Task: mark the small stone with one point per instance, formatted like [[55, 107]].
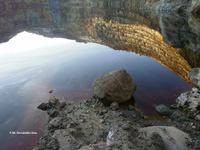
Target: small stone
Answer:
[[182, 100], [62, 105], [194, 76], [126, 127], [163, 110], [197, 117], [101, 120], [193, 127], [114, 106], [190, 115], [195, 90], [130, 107], [193, 105], [197, 144], [109, 148], [53, 113], [173, 106], [42, 106], [55, 122], [104, 111], [53, 100]]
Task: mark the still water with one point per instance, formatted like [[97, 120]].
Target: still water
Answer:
[[31, 65], [66, 44]]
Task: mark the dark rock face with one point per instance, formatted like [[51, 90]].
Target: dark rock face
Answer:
[[179, 22], [194, 76], [163, 110], [115, 86], [42, 106]]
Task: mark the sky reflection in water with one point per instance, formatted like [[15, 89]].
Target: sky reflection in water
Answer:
[[31, 65]]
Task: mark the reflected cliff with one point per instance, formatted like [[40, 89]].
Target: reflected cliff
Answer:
[[119, 24]]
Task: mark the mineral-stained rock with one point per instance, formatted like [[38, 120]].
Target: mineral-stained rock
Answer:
[[194, 76], [163, 110], [115, 86], [173, 138]]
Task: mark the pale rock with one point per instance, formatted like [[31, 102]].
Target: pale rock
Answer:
[[173, 138]]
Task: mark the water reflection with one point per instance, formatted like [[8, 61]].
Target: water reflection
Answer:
[[31, 65], [70, 68]]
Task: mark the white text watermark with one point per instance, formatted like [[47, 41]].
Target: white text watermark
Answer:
[[22, 132]]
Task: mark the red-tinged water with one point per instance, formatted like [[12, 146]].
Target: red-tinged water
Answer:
[[70, 68]]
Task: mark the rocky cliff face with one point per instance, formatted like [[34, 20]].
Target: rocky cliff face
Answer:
[[120, 24], [180, 22]]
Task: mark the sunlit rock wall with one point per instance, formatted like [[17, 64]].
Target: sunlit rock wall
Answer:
[[139, 39], [120, 24]]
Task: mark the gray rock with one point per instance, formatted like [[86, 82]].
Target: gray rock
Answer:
[[197, 144], [163, 110], [197, 117], [126, 126], [190, 100], [55, 122], [182, 12], [64, 139], [99, 146], [115, 86], [114, 106], [42, 106], [182, 100], [110, 137], [193, 104], [173, 138], [194, 76], [130, 107]]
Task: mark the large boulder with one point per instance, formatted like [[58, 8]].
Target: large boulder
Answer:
[[194, 76], [115, 86]]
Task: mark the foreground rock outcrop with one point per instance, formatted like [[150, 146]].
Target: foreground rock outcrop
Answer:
[[92, 125], [120, 126], [115, 86]]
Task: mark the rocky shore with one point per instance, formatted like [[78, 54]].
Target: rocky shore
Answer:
[[94, 125]]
